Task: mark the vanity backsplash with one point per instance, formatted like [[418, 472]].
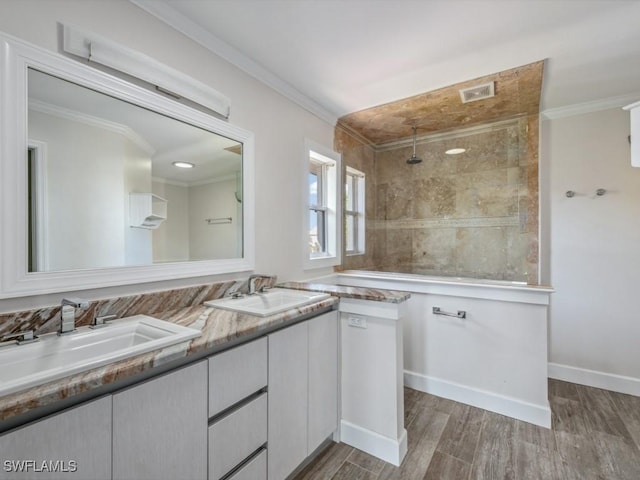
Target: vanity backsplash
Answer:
[[47, 319]]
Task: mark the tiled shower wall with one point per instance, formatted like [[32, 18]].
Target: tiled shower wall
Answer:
[[468, 215]]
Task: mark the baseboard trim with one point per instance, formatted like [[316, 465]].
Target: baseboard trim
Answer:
[[511, 407], [384, 448], [594, 378]]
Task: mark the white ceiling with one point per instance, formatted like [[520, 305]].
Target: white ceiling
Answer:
[[341, 56]]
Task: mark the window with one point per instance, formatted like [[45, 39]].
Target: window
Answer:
[[322, 228], [354, 232]]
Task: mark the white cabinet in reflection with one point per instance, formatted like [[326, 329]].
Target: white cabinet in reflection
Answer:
[[146, 210]]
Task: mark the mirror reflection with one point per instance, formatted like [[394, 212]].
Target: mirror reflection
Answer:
[[112, 184]]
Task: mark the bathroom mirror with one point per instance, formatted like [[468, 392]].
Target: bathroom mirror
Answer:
[[95, 189], [96, 163]]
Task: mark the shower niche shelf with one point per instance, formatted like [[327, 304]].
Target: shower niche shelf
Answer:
[[146, 210]]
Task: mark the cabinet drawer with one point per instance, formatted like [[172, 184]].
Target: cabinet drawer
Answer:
[[236, 436], [236, 374], [256, 469]]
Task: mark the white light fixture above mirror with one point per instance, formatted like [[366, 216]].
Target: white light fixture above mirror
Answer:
[[167, 80]]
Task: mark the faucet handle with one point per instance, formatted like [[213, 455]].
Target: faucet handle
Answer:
[[21, 337], [102, 320]]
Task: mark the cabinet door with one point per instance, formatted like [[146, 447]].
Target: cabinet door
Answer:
[[287, 446], [160, 427], [73, 444], [323, 378]]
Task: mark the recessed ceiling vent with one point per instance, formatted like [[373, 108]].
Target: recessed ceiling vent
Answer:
[[479, 92]]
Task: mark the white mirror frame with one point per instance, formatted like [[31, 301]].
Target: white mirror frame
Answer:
[[16, 56]]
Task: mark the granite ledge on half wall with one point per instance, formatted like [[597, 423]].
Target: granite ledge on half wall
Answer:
[[345, 291]]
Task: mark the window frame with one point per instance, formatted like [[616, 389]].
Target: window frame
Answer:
[[358, 214], [327, 164]]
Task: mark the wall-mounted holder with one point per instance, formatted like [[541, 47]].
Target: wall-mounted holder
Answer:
[[218, 221], [146, 210], [599, 192]]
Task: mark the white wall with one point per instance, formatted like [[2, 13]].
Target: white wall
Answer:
[[171, 238], [137, 179], [595, 251], [279, 125], [72, 161], [213, 200]]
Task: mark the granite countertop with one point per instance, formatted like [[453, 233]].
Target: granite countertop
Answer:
[[345, 291], [218, 327]]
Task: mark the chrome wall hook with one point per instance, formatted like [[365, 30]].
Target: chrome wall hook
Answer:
[[600, 192], [570, 194]]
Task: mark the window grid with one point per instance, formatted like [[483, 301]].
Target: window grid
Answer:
[[354, 212]]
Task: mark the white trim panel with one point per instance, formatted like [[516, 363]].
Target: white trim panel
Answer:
[[384, 448], [386, 310], [509, 406], [486, 290], [594, 378]]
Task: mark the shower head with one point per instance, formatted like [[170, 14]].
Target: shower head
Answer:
[[414, 159]]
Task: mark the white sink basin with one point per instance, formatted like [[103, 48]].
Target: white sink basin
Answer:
[[54, 357], [270, 302]]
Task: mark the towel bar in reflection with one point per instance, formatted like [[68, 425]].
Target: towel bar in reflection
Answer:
[[218, 221], [459, 314]]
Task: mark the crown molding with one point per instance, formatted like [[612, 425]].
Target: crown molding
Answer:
[[589, 107], [90, 120], [167, 14]]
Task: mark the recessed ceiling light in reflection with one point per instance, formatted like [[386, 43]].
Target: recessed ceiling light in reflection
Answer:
[[183, 164], [455, 151]]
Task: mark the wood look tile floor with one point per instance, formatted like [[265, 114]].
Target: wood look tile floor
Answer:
[[595, 436]]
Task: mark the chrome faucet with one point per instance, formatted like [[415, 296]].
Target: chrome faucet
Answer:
[[68, 313], [252, 282]]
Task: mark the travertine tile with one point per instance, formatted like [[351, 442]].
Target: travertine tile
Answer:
[[481, 252], [517, 92], [433, 197], [434, 249]]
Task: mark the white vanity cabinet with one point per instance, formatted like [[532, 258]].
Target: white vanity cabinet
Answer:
[[160, 427], [73, 444], [323, 379], [303, 391], [238, 412]]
